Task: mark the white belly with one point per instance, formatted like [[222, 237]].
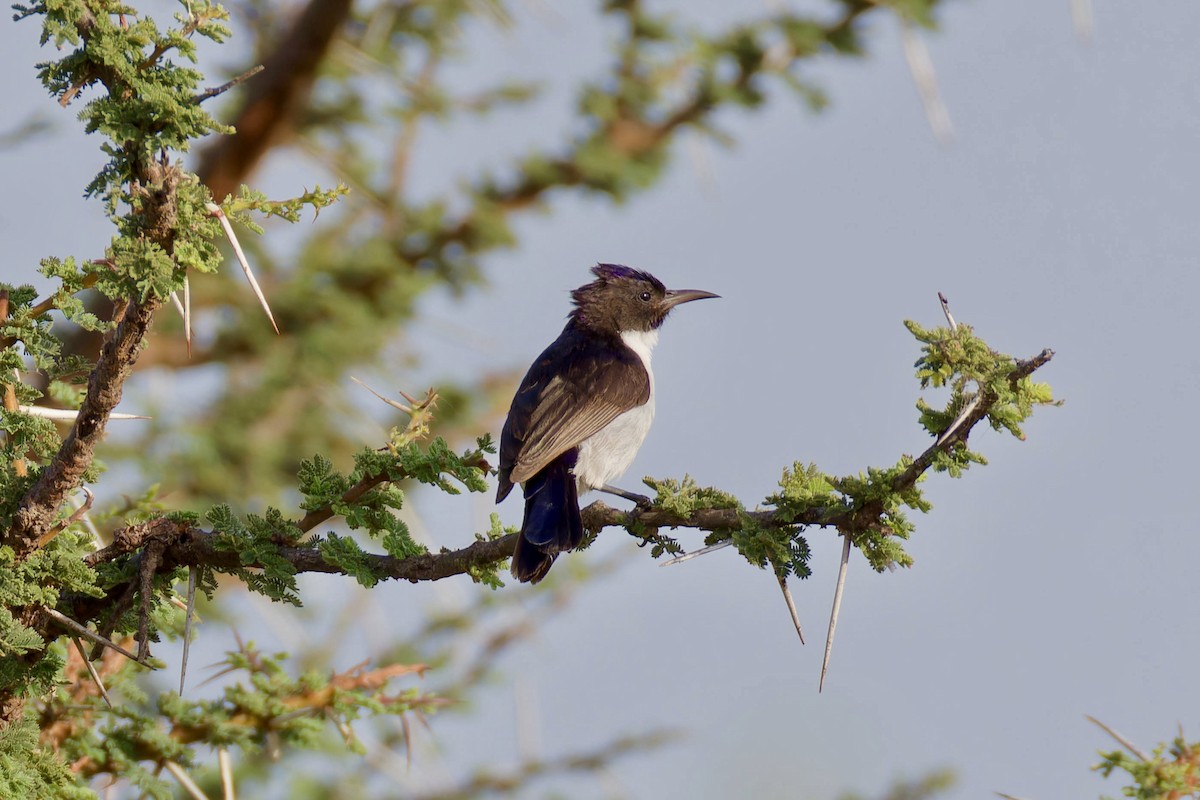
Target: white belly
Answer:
[[606, 455]]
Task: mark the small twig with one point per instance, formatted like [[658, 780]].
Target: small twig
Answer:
[[837, 605], [791, 604], [151, 557], [77, 515], [343, 727], [185, 780], [297, 714], [226, 767], [114, 613], [91, 669], [946, 310], [406, 730], [393, 403], [921, 67], [216, 211], [1007, 796], [187, 624], [208, 94], [97, 542], [1128, 745], [696, 553], [87, 633], [70, 93], [51, 302]]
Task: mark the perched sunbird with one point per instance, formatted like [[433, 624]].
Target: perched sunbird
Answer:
[[583, 409]]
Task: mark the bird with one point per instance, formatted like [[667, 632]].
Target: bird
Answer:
[[583, 409]]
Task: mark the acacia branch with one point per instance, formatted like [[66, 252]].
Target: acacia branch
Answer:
[[1022, 370], [39, 507], [183, 544]]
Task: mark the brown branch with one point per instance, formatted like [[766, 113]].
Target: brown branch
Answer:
[[39, 507], [630, 134], [315, 517], [10, 392], [488, 782], [183, 544], [187, 545], [1022, 370], [208, 94], [78, 514], [151, 557], [154, 184]]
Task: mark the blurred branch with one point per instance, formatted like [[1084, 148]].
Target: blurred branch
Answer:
[[273, 98], [495, 782]]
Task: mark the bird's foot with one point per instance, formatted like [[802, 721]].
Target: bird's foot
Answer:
[[642, 502]]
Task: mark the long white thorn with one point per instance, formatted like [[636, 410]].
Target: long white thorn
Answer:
[[226, 765], [91, 670], [697, 553], [1128, 745], [946, 310], [187, 313], [393, 403], [67, 414], [216, 211], [962, 415], [187, 625], [1085, 23], [185, 780], [921, 67], [837, 606], [791, 604], [87, 633]]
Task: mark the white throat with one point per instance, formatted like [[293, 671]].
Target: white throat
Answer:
[[642, 343]]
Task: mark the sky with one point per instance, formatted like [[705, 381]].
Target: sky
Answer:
[[1049, 585]]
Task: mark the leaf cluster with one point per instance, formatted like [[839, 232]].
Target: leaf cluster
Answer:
[[27, 585], [267, 708], [1170, 772], [871, 506]]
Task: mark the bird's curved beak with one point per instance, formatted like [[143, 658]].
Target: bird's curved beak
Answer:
[[677, 296]]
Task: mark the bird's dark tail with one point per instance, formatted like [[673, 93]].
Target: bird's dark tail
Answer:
[[552, 524]]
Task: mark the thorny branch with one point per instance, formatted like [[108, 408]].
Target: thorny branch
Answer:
[[180, 543], [38, 510]]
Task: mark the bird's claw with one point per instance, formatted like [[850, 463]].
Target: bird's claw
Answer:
[[641, 502]]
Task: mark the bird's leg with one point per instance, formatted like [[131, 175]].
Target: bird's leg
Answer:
[[640, 500]]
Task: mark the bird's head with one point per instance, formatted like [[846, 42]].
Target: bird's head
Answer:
[[624, 299]]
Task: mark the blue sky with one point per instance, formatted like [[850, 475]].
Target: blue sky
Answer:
[[1051, 584]]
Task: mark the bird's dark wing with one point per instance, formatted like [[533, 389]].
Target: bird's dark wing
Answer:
[[575, 388]]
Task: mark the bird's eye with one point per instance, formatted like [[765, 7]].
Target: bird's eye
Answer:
[[645, 297]]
